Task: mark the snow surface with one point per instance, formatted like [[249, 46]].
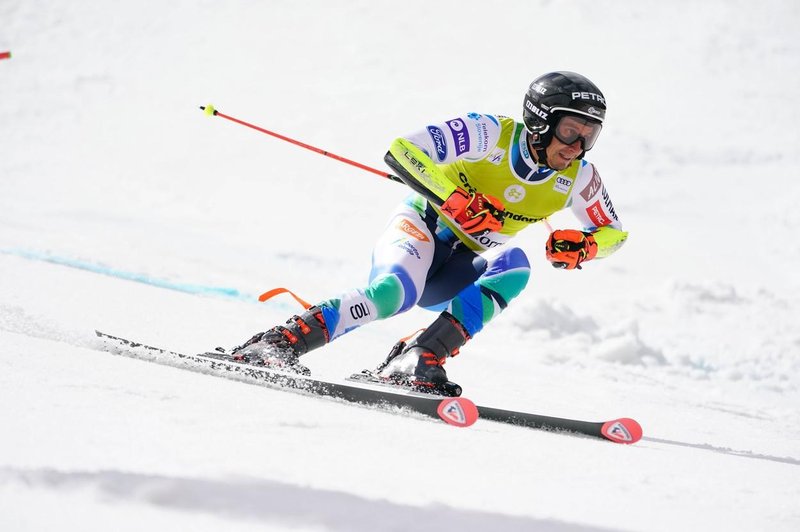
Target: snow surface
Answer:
[[107, 164]]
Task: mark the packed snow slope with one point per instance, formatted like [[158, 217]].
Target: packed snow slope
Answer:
[[123, 208]]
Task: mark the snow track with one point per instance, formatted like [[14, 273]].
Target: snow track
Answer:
[[108, 166]]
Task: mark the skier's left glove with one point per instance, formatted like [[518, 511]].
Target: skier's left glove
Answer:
[[476, 213], [568, 248]]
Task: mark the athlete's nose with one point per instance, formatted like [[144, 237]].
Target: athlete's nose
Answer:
[[575, 146]]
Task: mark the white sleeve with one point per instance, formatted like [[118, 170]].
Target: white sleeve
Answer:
[[471, 137], [591, 203]]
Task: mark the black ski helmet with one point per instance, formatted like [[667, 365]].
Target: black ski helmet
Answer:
[[553, 95]]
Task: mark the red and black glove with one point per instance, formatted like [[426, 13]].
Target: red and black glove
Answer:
[[568, 248], [476, 213]]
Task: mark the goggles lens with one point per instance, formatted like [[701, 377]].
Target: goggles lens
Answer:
[[571, 128]]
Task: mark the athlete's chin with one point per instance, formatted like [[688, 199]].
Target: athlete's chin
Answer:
[[561, 164]]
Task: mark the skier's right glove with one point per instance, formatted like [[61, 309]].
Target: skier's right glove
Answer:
[[476, 213]]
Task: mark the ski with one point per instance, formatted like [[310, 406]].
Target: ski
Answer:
[[457, 411], [371, 391], [621, 430]]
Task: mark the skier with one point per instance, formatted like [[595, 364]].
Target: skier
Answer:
[[477, 180]]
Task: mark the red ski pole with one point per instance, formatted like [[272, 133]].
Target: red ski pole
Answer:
[[210, 111]]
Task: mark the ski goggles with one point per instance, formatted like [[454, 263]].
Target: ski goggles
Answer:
[[571, 128]]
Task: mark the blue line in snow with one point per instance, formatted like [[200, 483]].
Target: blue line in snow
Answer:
[[189, 288]]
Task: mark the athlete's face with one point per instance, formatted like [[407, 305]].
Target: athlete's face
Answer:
[[572, 135], [560, 155]]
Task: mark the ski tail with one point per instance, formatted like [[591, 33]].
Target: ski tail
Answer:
[[458, 411], [622, 430]]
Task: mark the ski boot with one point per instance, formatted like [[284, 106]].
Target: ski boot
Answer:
[[282, 346], [418, 364]]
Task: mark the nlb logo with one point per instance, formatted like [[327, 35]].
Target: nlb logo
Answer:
[[460, 136], [412, 230]]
